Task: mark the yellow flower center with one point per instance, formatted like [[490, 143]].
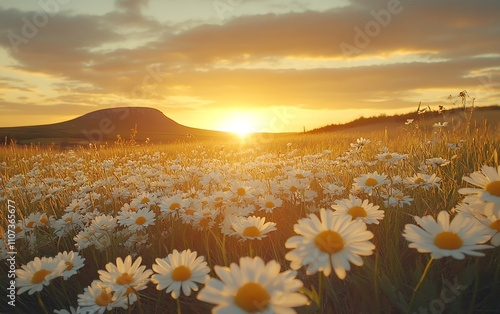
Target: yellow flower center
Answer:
[[175, 206], [69, 265], [371, 182], [18, 229], [39, 276], [145, 200], [30, 224], [448, 240], [419, 180], [357, 211], [299, 176], [329, 242], [44, 220], [69, 219], [495, 225], [251, 231], [190, 211], [103, 299], [181, 273], [493, 188], [241, 191], [293, 189], [269, 204], [124, 279], [388, 156], [140, 220], [252, 297]]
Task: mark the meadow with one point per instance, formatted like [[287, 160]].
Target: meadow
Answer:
[[338, 222]]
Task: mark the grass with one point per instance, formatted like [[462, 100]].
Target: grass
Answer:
[[43, 180]]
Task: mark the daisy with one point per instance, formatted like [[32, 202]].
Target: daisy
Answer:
[[171, 205], [488, 181], [38, 273], [367, 183], [137, 220], [359, 210], [99, 297], [253, 287], [250, 228], [424, 181], [73, 263], [180, 271], [442, 238], [396, 198], [390, 158], [269, 203], [126, 276], [329, 242]]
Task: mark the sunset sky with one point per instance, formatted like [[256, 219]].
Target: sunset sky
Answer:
[[274, 66]]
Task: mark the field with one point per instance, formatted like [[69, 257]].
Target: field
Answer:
[[146, 201]]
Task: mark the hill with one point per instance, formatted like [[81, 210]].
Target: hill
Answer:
[[455, 118], [105, 126]]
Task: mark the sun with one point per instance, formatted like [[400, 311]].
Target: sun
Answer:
[[240, 123]]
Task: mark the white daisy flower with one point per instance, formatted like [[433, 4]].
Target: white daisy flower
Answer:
[[424, 181], [488, 179], [332, 242], [253, 227], [38, 273], [180, 271], [100, 297], [359, 209], [137, 220], [369, 182], [442, 238], [253, 287], [73, 263], [125, 276]]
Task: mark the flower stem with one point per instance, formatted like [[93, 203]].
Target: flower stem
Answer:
[[426, 270], [178, 306], [41, 302]]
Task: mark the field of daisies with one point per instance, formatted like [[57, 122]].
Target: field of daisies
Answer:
[[404, 222]]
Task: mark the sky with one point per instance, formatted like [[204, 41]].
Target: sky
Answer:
[[245, 65]]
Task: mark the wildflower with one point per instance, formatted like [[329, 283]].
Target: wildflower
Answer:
[[409, 121], [488, 181], [329, 242], [390, 158], [253, 287], [268, 203], [250, 228], [100, 297], [439, 125], [180, 271], [73, 263], [359, 209], [437, 162], [137, 220], [125, 276], [38, 273], [424, 181], [396, 198], [367, 183], [442, 238], [360, 143]]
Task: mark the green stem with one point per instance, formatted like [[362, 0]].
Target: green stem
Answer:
[[476, 286], [419, 283], [320, 290], [178, 306], [41, 302]]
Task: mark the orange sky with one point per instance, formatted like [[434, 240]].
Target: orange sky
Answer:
[[274, 66]]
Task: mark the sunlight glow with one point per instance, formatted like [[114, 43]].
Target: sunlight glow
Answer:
[[240, 123]]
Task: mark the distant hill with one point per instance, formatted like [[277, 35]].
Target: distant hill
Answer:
[[455, 117], [101, 126]]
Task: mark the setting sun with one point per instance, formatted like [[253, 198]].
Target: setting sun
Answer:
[[240, 123]]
